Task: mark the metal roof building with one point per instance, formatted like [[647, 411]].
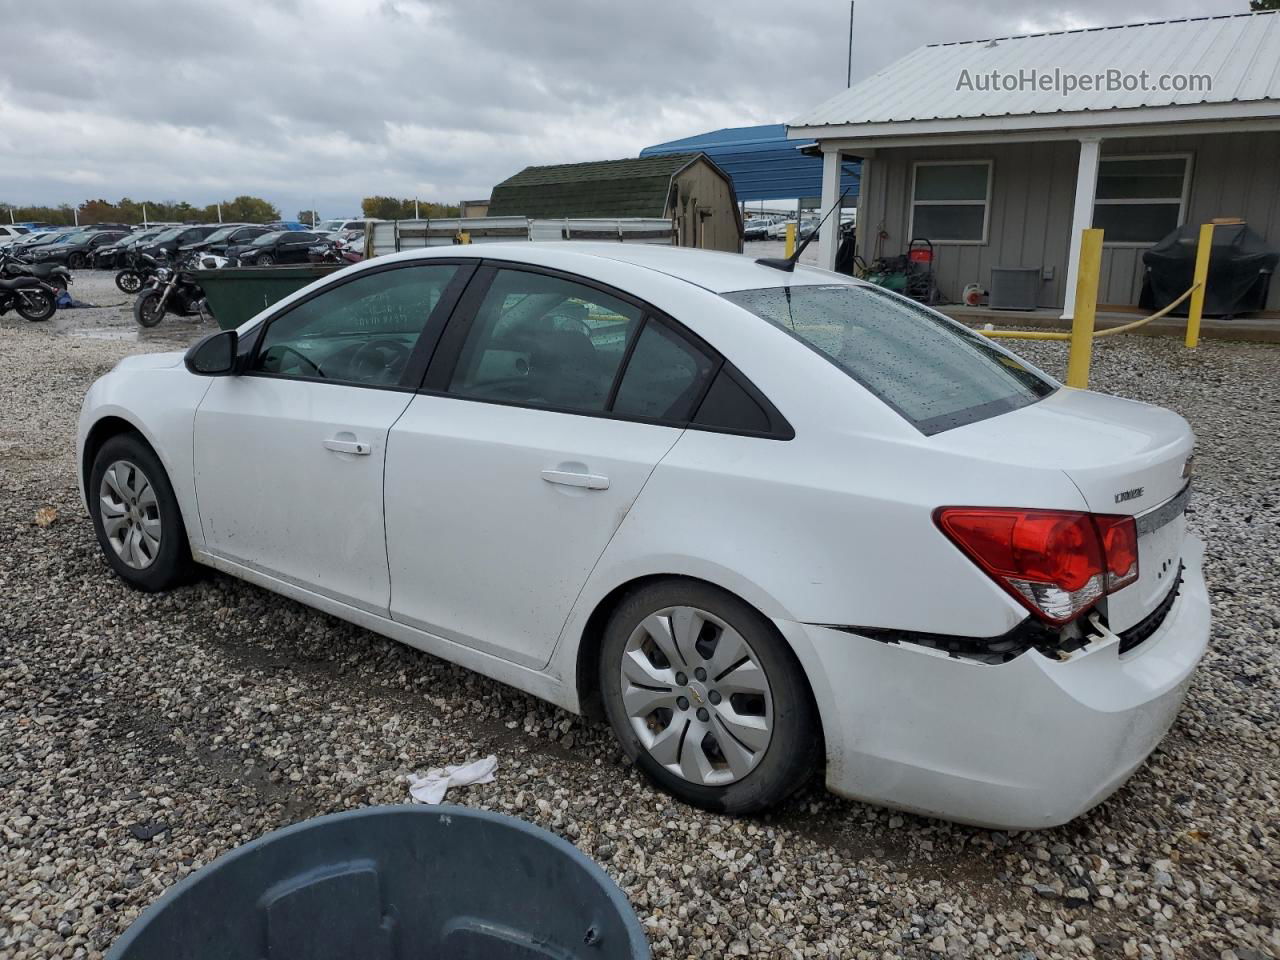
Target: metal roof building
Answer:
[[1001, 151], [762, 162], [944, 82]]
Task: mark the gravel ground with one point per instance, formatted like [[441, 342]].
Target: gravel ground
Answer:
[[142, 736]]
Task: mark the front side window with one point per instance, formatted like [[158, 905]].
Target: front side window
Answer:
[[1140, 199], [359, 332], [544, 341], [935, 373], [949, 201]]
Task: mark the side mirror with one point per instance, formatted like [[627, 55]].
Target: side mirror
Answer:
[[214, 355]]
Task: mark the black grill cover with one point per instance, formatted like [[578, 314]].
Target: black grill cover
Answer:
[[1240, 269]]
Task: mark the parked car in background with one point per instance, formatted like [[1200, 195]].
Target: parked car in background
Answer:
[[77, 248], [751, 516], [230, 235], [778, 229], [34, 225], [94, 227], [10, 233], [111, 256], [283, 246], [806, 229], [290, 225], [166, 244], [757, 229], [340, 224]]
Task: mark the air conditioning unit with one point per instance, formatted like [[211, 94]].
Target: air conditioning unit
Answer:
[[1014, 288]]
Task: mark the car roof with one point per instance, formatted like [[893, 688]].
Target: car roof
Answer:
[[710, 269]]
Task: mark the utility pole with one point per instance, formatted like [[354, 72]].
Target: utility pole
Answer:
[[415, 209], [144, 214], [219, 212], [849, 69], [76, 213]]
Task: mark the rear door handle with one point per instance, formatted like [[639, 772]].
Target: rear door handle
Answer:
[[592, 481], [358, 447]]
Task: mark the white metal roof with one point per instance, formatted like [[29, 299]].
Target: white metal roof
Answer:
[[1240, 53]]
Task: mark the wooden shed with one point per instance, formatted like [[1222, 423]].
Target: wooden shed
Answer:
[[688, 189]]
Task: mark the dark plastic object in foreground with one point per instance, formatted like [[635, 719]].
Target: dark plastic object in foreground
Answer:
[[391, 883], [237, 293], [1240, 269]]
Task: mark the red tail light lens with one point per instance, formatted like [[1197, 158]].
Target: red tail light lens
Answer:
[[1057, 563]]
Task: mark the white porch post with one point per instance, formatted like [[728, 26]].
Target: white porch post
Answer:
[[829, 238], [1081, 216]]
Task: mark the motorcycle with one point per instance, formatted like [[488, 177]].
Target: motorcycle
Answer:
[[137, 268], [54, 274], [169, 289], [34, 299]]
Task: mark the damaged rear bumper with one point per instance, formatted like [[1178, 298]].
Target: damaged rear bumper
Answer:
[[1026, 744]]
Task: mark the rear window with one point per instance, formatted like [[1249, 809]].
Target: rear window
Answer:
[[936, 373]]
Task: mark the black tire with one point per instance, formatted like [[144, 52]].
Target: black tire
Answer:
[[172, 564], [35, 305], [128, 281], [76, 261], [793, 751], [264, 260], [146, 308]]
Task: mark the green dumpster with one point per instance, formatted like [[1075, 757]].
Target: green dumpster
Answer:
[[237, 293]]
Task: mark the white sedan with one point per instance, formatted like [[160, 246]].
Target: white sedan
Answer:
[[765, 522]]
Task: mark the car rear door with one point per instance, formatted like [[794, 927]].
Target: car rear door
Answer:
[[511, 470], [289, 456], [293, 246]]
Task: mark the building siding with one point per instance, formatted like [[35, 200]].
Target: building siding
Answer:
[[1033, 187], [702, 186]]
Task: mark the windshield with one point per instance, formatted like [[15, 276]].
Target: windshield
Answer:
[[168, 234], [936, 373], [265, 239], [221, 233]]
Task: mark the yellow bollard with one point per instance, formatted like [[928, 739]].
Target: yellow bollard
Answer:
[[1199, 280], [791, 239], [1086, 308]]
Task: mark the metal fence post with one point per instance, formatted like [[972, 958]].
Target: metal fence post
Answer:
[[791, 240], [1199, 280], [1086, 308]]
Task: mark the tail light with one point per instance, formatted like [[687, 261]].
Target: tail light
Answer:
[[1057, 563]]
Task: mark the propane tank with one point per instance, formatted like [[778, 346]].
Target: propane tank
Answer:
[[973, 294]]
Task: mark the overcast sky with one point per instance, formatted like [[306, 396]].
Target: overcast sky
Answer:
[[312, 101]]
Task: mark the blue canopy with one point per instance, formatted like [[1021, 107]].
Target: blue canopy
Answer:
[[762, 162]]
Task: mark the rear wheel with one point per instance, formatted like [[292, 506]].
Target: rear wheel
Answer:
[[136, 515], [35, 305], [147, 309], [706, 698], [129, 281]]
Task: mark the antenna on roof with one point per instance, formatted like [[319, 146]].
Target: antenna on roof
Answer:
[[788, 264]]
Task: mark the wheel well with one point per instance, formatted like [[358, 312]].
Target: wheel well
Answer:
[[100, 433], [588, 666]]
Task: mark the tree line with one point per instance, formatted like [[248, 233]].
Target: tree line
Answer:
[[243, 209]]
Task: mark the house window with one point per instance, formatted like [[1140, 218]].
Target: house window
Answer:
[[949, 201], [1140, 199]]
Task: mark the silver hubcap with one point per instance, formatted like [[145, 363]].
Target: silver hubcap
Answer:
[[130, 514], [696, 696]]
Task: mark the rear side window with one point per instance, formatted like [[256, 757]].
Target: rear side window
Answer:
[[545, 342], [665, 376], [935, 373]]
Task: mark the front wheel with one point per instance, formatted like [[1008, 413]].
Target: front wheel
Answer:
[[129, 281], [76, 261], [147, 309], [707, 699], [264, 260], [36, 305], [136, 515]]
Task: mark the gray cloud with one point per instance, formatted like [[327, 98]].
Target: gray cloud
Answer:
[[326, 102]]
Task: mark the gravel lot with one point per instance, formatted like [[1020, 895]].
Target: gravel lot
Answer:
[[142, 736]]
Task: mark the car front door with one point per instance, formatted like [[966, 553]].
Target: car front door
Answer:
[[289, 456], [511, 470], [293, 247]]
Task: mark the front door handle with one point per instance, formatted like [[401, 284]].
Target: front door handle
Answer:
[[592, 481], [359, 448]]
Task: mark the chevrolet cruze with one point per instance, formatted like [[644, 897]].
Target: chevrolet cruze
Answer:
[[765, 521]]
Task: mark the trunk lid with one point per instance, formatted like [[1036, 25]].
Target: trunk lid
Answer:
[[1126, 458]]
